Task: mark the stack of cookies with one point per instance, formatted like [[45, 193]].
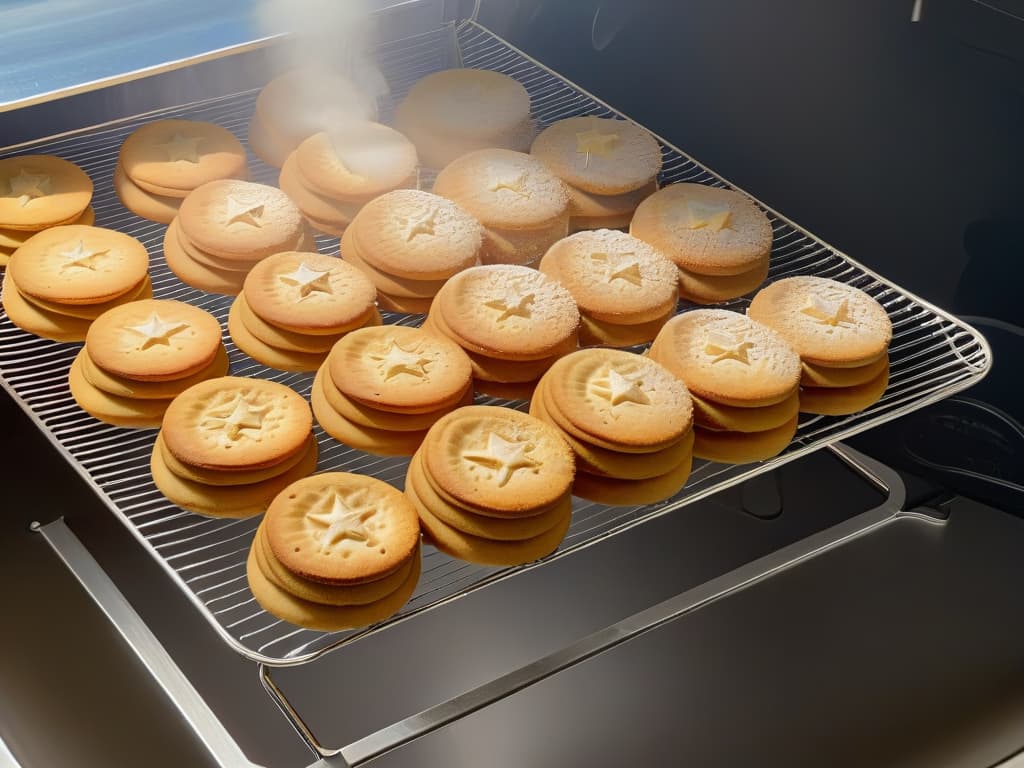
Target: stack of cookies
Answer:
[[609, 167], [408, 243], [225, 227], [332, 174], [841, 334], [301, 102], [720, 240], [624, 288], [523, 207], [63, 278], [492, 486], [295, 306], [335, 551], [628, 420], [513, 322], [139, 356], [382, 388], [161, 162], [450, 113], [37, 192], [743, 378], [229, 445]]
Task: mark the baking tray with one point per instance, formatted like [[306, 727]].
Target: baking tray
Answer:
[[932, 356]]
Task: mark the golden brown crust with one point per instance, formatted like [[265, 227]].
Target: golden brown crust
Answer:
[[41, 191], [122, 411], [842, 401], [622, 493], [270, 356], [35, 320], [152, 390], [743, 447]]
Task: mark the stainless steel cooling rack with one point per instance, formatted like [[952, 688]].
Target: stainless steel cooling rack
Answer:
[[932, 356]]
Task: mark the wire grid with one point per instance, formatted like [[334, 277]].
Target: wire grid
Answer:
[[932, 355]]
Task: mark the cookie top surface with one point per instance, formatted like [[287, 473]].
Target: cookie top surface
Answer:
[[236, 423], [599, 154], [309, 290], [467, 103], [79, 264], [179, 155], [704, 229], [356, 158], [417, 235], [499, 459], [502, 188], [307, 100], [827, 322], [342, 528], [613, 276], [397, 366], [727, 357], [153, 339], [620, 397], [37, 191], [508, 309], [240, 219]]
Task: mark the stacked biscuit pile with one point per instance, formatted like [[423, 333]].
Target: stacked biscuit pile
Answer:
[[161, 162], [38, 192], [335, 551], [513, 322], [523, 207], [225, 227], [609, 167], [382, 388], [624, 288], [332, 174], [492, 486], [628, 420], [450, 113], [743, 378], [301, 102], [841, 334], [139, 356], [229, 445], [63, 278], [720, 240], [408, 243], [295, 306]]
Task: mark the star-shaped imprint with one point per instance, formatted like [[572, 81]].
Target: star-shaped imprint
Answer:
[[723, 345], [593, 142], [617, 389], [341, 520], [308, 280], [236, 419], [703, 214], [418, 225], [503, 457], [511, 303], [181, 147], [27, 186], [82, 257], [156, 331], [618, 266], [515, 184], [832, 313], [245, 213], [395, 360]]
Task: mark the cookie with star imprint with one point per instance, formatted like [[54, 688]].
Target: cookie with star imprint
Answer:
[[41, 191]]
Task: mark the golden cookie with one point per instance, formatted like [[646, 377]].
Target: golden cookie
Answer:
[[587, 209], [397, 287], [122, 411], [828, 376], [356, 159], [38, 191], [159, 208], [273, 336], [712, 415], [521, 246], [12, 239], [220, 477], [316, 207], [712, 289], [151, 390], [191, 272], [622, 493], [842, 401], [144, 290], [31, 318], [272, 357], [402, 305], [742, 447], [597, 333], [512, 390]]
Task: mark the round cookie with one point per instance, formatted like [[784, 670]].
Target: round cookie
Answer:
[[12, 239], [236, 423], [842, 401], [712, 289], [397, 287], [588, 209], [38, 191], [75, 264], [743, 447], [270, 356], [728, 358], [172, 157], [622, 493], [703, 229], [152, 390], [522, 246], [403, 305], [828, 376], [218, 477], [31, 318], [599, 154], [159, 208], [827, 322], [597, 333], [270, 150], [121, 411], [712, 415], [91, 311], [273, 336], [318, 208], [355, 160], [191, 272]]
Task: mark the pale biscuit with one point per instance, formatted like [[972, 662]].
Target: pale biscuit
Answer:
[[712, 289], [743, 447], [270, 356], [829, 376], [220, 477], [599, 154], [267, 147], [282, 339], [703, 229], [828, 323], [437, 151], [191, 272], [38, 191], [622, 493], [75, 264], [154, 340], [236, 423], [614, 277], [842, 401], [121, 411], [356, 159], [152, 390], [159, 208], [12, 239], [318, 208], [586, 209], [31, 318], [172, 157], [597, 333], [730, 418], [144, 290], [728, 358]]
